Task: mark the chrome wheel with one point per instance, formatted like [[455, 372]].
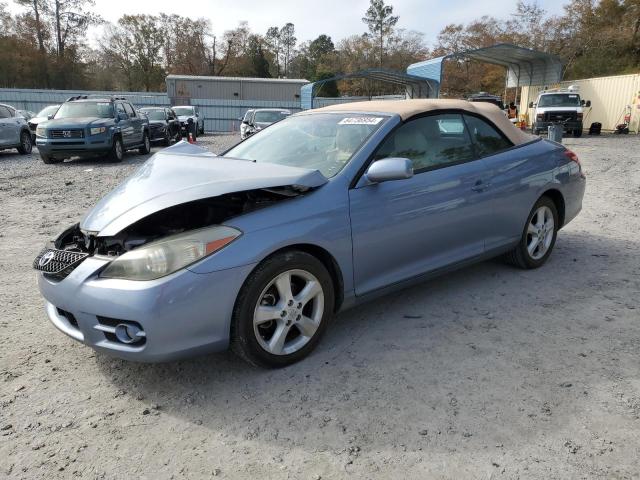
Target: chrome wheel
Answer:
[[540, 232], [288, 312], [118, 150], [147, 143]]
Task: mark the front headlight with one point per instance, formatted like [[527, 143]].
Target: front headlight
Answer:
[[170, 254], [41, 132], [98, 130]]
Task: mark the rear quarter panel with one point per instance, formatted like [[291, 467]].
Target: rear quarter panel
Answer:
[[518, 177]]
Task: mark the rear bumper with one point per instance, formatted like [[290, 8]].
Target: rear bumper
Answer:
[[183, 314]]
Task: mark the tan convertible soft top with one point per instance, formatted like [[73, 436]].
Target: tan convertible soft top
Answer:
[[408, 108]]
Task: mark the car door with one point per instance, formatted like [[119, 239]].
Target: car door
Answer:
[[404, 228], [14, 126], [136, 123], [126, 130], [5, 127]]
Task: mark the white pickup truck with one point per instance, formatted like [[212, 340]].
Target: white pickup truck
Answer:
[[559, 106]]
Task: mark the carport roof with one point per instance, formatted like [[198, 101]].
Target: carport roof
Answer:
[[524, 65]]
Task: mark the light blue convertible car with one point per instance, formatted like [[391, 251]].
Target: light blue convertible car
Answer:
[[259, 248]]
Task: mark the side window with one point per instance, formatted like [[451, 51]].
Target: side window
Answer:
[[130, 111], [430, 142], [4, 112], [120, 109], [486, 138]]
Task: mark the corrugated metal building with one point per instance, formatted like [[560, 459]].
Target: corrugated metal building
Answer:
[[609, 97], [181, 89], [36, 99]]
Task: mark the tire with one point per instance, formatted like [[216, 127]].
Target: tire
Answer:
[[254, 335], [167, 139], [25, 143], [523, 255], [146, 145], [49, 160], [577, 133], [117, 150], [201, 131]]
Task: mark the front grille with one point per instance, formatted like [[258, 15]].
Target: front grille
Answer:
[[58, 263], [560, 116], [75, 133]]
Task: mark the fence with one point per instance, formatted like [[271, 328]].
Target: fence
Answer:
[[610, 98], [219, 115]]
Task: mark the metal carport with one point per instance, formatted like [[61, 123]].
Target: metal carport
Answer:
[[415, 86], [525, 67]]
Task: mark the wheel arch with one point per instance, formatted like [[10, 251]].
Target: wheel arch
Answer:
[[558, 199], [329, 262]]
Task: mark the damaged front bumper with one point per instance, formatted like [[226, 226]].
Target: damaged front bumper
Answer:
[[180, 315]]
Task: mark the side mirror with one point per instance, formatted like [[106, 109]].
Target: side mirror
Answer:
[[588, 104], [389, 169], [50, 117], [530, 104]]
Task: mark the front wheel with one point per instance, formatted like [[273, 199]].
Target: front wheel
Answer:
[[282, 310], [538, 237], [49, 159], [146, 145], [117, 150], [25, 144]]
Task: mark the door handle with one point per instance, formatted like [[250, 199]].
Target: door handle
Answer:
[[480, 186]]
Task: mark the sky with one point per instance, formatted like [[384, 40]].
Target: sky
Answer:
[[336, 18]]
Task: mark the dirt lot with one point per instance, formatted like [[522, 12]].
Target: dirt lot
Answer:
[[490, 372]]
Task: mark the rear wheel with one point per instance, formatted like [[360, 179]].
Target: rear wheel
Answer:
[[146, 145], [282, 310], [25, 143], [538, 237], [167, 139], [117, 150]]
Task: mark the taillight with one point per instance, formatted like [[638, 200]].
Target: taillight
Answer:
[[574, 158], [540, 116], [579, 116]]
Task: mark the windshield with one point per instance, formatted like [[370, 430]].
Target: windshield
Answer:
[[183, 110], [46, 111], [268, 117], [85, 109], [154, 114], [322, 141], [559, 100]]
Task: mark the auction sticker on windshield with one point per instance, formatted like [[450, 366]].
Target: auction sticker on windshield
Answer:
[[360, 121]]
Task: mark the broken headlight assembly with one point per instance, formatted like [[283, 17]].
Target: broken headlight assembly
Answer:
[[163, 257]]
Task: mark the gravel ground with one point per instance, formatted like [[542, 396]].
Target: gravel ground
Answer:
[[489, 372]]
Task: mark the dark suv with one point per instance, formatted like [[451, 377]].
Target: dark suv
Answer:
[[88, 126]]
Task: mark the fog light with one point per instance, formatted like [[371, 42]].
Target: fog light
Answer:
[[129, 333]]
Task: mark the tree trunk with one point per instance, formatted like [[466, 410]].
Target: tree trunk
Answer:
[[43, 60], [59, 31]]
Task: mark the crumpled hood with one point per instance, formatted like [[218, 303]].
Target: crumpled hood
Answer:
[[184, 173]]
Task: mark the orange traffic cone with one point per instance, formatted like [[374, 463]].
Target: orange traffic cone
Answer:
[[191, 140]]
